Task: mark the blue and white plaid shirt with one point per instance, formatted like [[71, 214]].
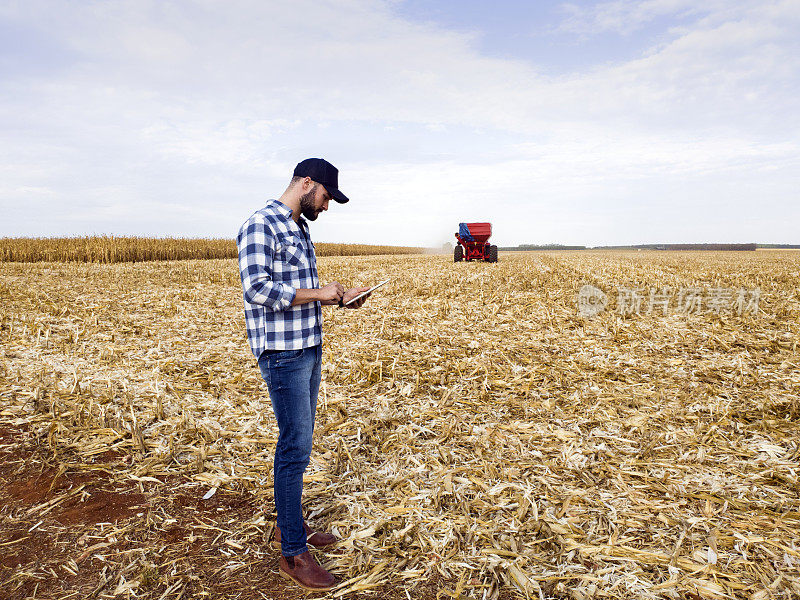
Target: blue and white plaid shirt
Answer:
[[276, 257]]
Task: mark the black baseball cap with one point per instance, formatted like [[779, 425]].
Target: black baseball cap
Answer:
[[324, 173]]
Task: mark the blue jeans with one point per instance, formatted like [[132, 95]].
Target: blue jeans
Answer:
[[293, 378]]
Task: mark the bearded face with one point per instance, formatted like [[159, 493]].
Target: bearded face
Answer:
[[308, 206]]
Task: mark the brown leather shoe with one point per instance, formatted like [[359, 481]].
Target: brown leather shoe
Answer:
[[318, 539], [306, 572]]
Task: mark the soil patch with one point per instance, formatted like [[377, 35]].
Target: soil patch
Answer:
[[101, 507]]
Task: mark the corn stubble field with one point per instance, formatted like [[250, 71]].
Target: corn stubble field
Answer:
[[475, 438]]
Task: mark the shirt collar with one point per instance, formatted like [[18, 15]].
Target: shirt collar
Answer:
[[288, 212], [281, 208]]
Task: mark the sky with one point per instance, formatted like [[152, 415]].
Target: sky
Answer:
[[589, 123]]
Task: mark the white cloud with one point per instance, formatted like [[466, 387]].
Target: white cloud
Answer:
[[207, 105], [626, 16]]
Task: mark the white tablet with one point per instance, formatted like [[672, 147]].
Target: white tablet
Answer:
[[369, 291]]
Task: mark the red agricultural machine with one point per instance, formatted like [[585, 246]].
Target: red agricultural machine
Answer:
[[473, 243]]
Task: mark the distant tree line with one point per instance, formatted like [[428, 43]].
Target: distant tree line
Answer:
[[734, 247], [681, 247]]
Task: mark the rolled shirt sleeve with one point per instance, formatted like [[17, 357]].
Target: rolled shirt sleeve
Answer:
[[256, 246]]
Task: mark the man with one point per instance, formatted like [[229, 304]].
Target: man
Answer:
[[282, 303]]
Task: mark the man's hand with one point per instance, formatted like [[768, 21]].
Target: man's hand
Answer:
[[352, 293], [331, 293]]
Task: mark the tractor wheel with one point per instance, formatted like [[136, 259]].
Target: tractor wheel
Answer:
[[492, 254], [458, 254]]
